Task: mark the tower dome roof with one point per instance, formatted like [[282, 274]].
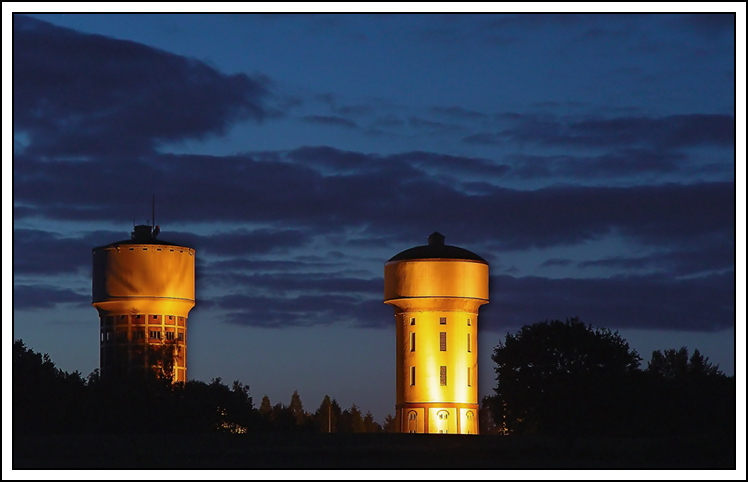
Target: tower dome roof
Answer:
[[436, 249], [142, 234]]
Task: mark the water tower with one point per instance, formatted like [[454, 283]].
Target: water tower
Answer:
[[143, 289], [436, 291]]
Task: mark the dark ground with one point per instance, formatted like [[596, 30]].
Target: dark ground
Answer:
[[364, 451]]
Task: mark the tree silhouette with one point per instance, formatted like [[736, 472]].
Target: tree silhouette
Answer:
[[561, 377], [266, 410], [370, 426], [297, 409], [390, 425], [676, 365], [45, 398], [140, 399], [326, 416], [351, 421], [688, 395]]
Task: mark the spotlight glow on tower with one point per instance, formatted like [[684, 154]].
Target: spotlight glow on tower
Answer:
[[436, 291], [143, 290]]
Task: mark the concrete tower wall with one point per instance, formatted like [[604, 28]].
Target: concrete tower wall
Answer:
[[436, 305], [143, 293]]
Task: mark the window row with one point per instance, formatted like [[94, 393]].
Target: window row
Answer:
[[121, 336], [442, 376], [442, 321], [442, 416], [442, 341], [143, 319]]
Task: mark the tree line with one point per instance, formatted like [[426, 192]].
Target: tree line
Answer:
[[553, 378], [49, 400], [571, 379]]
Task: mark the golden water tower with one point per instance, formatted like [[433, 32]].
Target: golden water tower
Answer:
[[143, 289], [436, 291]]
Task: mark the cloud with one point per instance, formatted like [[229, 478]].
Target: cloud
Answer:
[[654, 301], [39, 252], [242, 242], [283, 284], [76, 94], [708, 256], [36, 297], [457, 113], [556, 262], [619, 164], [304, 310], [330, 121], [669, 132], [326, 191]]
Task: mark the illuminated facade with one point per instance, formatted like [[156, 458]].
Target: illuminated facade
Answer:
[[143, 290], [436, 291]]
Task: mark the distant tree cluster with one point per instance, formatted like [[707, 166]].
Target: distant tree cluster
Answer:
[[328, 418], [49, 400], [568, 378]]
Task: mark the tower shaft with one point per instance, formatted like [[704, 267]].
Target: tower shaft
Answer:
[[436, 301]]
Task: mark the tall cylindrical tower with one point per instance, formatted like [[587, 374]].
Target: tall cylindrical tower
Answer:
[[436, 291], [143, 290]]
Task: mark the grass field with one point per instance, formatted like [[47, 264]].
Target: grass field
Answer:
[[363, 451]]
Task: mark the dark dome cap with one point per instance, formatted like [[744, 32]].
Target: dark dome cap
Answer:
[[437, 249]]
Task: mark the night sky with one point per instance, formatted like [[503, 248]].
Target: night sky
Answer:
[[590, 159]]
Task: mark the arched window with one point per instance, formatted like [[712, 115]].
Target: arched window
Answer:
[[470, 422], [442, 422], [412, 421]]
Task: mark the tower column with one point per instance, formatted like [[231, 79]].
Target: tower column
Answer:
[[436, 291]]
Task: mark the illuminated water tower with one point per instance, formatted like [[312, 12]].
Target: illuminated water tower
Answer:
[[143, 289], [436, 291]]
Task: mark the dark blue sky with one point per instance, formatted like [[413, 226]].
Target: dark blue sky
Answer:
[[589, 158]]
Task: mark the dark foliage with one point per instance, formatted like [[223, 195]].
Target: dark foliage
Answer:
[[47, 400], [570, 379]]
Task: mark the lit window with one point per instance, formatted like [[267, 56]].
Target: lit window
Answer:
[[442, 416], [412, 341], [412, 322], [412, 418], [412, 376], [443, 376], [443, 320], [443, 341], [468, 344]]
